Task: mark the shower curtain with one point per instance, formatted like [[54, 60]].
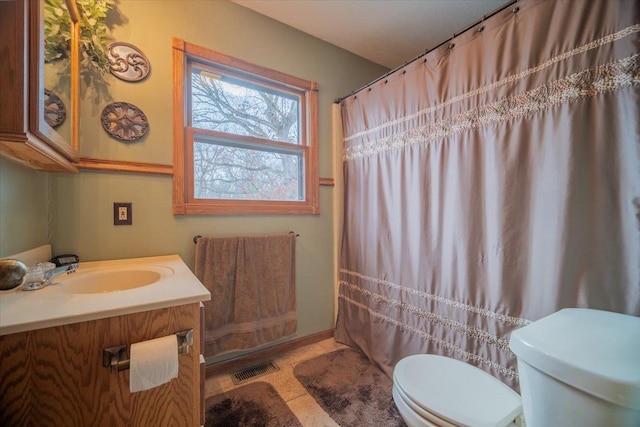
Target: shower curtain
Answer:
[[492, 182]]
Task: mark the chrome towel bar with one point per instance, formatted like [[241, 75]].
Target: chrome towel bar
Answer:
[[197, 237], [118, 359]]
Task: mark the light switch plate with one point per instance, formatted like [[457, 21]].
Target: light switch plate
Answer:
[[122, 213]]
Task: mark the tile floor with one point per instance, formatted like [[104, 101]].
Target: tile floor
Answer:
[[300, 402]]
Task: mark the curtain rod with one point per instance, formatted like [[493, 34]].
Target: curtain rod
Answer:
[[388, 73]]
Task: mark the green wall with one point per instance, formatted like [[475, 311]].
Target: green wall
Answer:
[[82, 209], [23, 208]]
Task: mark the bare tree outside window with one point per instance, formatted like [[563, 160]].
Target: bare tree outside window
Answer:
[[245, 137], [226, 169]]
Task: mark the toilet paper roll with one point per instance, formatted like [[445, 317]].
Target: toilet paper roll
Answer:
[[153, 363]]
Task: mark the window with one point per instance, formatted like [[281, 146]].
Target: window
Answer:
[[245, 137]]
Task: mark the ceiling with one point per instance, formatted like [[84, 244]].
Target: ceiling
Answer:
[[387, 32]]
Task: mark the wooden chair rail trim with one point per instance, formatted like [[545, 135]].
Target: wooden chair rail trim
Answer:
[[92, 163], [124, 166]]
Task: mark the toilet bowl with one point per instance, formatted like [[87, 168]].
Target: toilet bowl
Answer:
[[432, 390]]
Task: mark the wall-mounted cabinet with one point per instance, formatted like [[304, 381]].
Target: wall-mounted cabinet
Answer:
[[25, 134]]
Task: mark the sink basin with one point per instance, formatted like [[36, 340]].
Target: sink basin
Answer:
[[100, 290], [96, 281]]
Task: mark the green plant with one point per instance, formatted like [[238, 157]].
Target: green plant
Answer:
[[57, 31], [94, 33]]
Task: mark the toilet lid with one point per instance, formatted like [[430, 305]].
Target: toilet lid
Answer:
[[456, 391]]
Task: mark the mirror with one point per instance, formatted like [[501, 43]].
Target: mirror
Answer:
[[54, 78]]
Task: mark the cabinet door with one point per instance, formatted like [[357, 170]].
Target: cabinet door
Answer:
[[55, 377], [24, 134]]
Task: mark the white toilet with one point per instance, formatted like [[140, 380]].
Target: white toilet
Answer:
[[577, 367], [580, 367], [431, 390]]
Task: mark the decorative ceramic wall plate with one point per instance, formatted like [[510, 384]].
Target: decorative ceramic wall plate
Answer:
[[127, 62], [124, 121], [54, 110]]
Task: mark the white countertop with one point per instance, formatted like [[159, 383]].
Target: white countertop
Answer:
[[57, 305]]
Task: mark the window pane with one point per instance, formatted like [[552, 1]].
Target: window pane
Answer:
[[224, 171], [229, 105]]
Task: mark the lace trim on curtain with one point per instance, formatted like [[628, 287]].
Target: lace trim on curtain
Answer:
[[510, 79], [448, 346], [455, 304], [461, 328], [605, 78]]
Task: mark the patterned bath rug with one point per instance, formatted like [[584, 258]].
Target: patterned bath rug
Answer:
[[256, 404], [352, 390]]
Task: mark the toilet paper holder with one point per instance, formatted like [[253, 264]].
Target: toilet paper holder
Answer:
[[118, 359]]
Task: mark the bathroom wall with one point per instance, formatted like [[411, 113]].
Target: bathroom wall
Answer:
[[82, 210], [23, 208]]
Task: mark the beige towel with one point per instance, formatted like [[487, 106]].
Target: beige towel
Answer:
[[253, 290]]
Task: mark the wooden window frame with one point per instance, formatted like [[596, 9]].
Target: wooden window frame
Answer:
[[184, 202]]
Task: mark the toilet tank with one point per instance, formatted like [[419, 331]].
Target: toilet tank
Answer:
[[580, 367]]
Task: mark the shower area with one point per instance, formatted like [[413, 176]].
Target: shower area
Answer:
[[493, 181]]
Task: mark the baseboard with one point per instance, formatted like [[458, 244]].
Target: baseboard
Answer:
[[245, 360]]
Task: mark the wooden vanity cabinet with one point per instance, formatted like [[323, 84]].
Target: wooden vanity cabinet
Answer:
[[24, 134], [54, 376]]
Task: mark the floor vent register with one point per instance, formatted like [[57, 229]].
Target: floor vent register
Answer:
[[254, 372]]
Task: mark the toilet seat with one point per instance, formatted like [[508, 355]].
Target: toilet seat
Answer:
[[449, 392], [419, 417]]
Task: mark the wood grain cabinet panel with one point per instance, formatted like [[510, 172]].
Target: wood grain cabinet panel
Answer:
[[55, 377], [24, 135]]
